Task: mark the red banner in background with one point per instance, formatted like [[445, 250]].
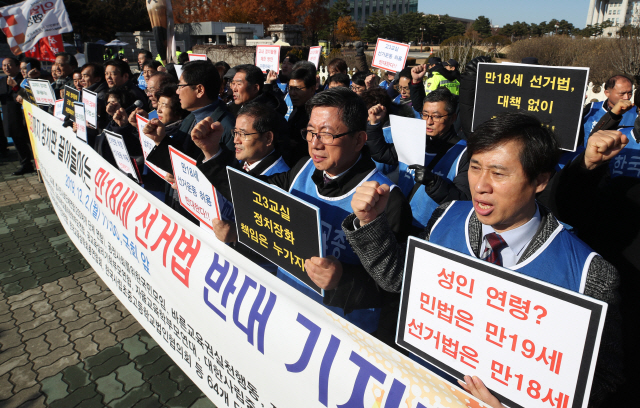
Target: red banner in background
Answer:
[[46, 48]]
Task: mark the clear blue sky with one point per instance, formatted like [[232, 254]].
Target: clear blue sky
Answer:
[[502, 12]]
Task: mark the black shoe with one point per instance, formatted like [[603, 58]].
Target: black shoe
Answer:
[[23, 170]]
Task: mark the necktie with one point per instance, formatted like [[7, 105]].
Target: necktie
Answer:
[[495, 244], [246, 167]]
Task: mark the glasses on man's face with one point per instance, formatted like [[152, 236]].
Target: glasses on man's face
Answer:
[[356, 88], [151, 91], [324, 137], [402, 88], [241, 134], [182, 85], [296, 89], [435, 118]]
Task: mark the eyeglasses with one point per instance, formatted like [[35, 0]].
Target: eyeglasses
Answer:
[[295, 89], [402, 88], [243, 135], [324, 137], [356, 88], [151, 91], [181, 85], [435, 118]]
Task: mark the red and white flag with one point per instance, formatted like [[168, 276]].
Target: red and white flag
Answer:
[[46, 48], [27, 22]]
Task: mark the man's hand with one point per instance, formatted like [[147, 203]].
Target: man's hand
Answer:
[[376, 114], [271, 77], [418, 72], [206, 135], [19, 99], [422, 175], [132, 117], [371, 81], [155, 130], [225, 231], [171, 180], [476, 387], [11, 82], [120, 117], [324, 272], [34, 73], [622, 107], [602, 146], [369, 201], [75, 127]]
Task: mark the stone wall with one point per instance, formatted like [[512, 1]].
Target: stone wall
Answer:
[[230, 54]]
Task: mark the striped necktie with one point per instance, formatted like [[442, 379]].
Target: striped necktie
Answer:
[[495, 244]]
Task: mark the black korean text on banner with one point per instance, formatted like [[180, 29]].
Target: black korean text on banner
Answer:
[[275, 224], [71, 96], [529, 341], [555, 95], [197, 195], [121, 155]]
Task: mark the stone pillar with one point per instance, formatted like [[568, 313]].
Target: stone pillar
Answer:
[[289, 33], [601, 11], [592, 6], [239, 35], [624, 10]]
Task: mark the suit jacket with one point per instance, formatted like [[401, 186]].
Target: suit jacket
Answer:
[[384, 258], [13, 119]]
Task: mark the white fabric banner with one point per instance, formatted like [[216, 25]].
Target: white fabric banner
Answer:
[[27, 22], [243, 336]]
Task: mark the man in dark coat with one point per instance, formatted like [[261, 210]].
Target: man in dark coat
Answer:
[[13, 119]]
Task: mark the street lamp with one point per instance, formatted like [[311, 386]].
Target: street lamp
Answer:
[[422, 29]]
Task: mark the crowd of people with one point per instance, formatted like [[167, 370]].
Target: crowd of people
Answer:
[[503, 193]]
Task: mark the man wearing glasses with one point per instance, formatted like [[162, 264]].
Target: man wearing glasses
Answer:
[[424, 184], [339, 163]]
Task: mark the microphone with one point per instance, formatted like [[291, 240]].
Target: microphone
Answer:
[[136, 104]]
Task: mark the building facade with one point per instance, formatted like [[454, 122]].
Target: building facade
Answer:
[[362, 9], [619, 12]]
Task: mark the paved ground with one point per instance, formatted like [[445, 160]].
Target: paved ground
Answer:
[[65, 339]]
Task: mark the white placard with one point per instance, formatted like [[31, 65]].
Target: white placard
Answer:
[[178, 70], [390, 55], [120, 153], [58, 108], [90, 100], [81, 121], [197, 57], [197, 195], [516, 333], [42, 92], [147, 145], [314, 55], [409, 138], [268, 57]]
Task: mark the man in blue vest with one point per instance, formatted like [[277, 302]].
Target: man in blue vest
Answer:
[[443, 154], [512, 159], [616, 88], [339, 163]]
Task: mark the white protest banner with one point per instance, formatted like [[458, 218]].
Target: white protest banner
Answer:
[[197, 57], [58, 109], [197, 195], [226, 322], [81, 122], [411, 139], [42, 91], [147, 145], [314, 55], [390, 55], [530, 342], [268, 57], [27, 22], [120, 153], [90, 100]]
